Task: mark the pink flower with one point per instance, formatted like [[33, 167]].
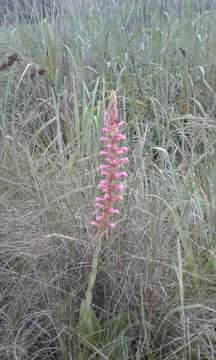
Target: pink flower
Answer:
[[103, 198], [119, 137], [102, 184], [118, 186], [114, 162], [98, 205], [94, 223], [110, 146], [124, 160], [103, 152], [99, 218], [107, 197], [119, 174], [101, 167], [104, 139], [99, 199], [122, 150], [113, 211], [111, 187], [111, 225], [106, 129], [117, 197]]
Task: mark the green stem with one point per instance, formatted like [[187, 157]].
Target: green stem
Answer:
[[93, 273]]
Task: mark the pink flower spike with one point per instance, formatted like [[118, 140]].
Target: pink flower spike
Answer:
[[119, 174], [111, 189]]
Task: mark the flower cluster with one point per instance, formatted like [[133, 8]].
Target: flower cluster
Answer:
[[111, 185]]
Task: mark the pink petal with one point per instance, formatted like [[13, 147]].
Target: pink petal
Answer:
[[117, 197], [106, 129], [100, 218], [119, 187], [111, 225], [102, 198], [106, 197], [99, 205], [124, 160], [114, 162], [105, 173], [94, 223], [119, 137], [122, 150], [104, 139], [99, 199], [103, 152], [103, 167], [103, 183], [105, 190], [109, 146], [119, 174], [113, 211]]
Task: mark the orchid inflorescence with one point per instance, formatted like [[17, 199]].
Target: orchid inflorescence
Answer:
[[111, 185]]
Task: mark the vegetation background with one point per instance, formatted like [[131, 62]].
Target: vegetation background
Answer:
[[156, 284]]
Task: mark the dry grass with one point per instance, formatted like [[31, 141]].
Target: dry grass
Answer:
[[159, 265]]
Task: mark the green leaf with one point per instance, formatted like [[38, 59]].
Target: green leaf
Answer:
[[89, 327]]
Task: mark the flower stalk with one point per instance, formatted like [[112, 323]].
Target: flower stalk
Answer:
[[111, 189]]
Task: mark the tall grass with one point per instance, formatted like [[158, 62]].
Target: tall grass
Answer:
[[155, 287]]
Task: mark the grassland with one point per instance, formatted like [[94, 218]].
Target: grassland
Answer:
[[156, 283]]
